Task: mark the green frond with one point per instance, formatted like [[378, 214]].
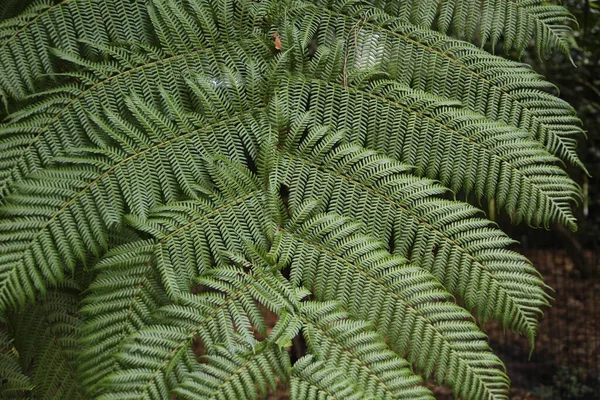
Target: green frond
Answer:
[[243, 373], [120, 302], [498, 88], [206, 229], [328, 255], [15, 384], [173, 172], [312, 380], [447, 238], [26, 40], [158, 357], [46, 338], [492, 21], [465, 151], [353, 349], [67, 117], [51, 211]]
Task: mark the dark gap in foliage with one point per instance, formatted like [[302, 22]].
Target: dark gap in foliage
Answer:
[[198, 349], [251, 164], [392, 240], [298, 349], [284, 193]]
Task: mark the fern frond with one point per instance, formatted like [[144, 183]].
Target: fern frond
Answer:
[[207, 228], [46, 337], [328, 254], [14, 384], [445, 237], [239, 374], [49, 210], [491, 21], [26, 40], [138, 278], [464, 150], [353, 348], [67, 118], [120, 302], [498, 88], [312, 380], [158, 357]]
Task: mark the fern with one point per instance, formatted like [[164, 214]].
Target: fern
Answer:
[[171, 171]]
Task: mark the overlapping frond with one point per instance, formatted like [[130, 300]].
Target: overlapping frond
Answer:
[[328, 255], [240, 374], [26, 40], [66, 116], [120, 302], [15, 383], [229, 159], [498, 88], [46, 338], [351, 348], [448, 238], [138, 278], [159, 357], [63, 213], [464, 150]]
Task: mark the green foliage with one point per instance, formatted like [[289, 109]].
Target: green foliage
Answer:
[[173, 171]]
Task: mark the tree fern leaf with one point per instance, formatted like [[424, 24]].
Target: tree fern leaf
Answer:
[[312, 379], [210, 316], [439, 139], [30, 142], [15, 384], [354, 348], [25, 49], [206, 230], [49, 212], [499, 88], [46, 337], [445, 237], [491, 21], [328, 256], [120, 302], [230, 375]]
